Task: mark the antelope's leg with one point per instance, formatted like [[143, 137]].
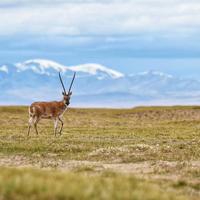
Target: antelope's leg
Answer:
[[61, 125], [55, 125], [29, 125], [36, 120]]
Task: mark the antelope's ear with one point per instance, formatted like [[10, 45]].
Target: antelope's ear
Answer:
[[63, 93], [70, 93]]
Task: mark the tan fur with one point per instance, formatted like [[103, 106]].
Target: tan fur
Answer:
[[48, 110]]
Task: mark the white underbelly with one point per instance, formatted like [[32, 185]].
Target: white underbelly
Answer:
[[49, 115], [46, 116]]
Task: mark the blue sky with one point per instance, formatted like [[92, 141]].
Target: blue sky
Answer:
[[127, 35]]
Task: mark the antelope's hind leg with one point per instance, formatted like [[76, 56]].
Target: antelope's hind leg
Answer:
[[35, 121], [29, 125]]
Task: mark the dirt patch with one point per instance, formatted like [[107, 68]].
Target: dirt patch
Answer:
[[172, 172], [122, 149], [22, 161], [138, 167]]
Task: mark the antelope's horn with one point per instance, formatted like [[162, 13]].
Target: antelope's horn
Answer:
[[62, 83], [72, 83]]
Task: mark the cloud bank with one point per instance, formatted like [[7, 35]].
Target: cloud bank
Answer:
[[100, 18]]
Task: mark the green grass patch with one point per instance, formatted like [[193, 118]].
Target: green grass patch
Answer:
[[51, 185]]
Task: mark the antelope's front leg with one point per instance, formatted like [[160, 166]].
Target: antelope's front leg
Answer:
[[61, 125], [55, 125]]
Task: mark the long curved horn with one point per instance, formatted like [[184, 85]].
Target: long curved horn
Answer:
[[72, 83], [62, 83]]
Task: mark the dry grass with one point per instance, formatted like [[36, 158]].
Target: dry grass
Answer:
[[157, 144]]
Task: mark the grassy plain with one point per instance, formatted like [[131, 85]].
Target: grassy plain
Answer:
[[140, 153]]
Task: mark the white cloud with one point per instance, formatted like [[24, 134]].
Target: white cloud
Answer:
[[91, 17], [4, 69]]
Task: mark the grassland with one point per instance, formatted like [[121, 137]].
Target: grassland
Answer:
[[141, 153]]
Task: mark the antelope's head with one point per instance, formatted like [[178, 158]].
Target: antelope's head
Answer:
[[66, 96]]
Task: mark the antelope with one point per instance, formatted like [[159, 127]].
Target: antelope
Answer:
[[50, 110]]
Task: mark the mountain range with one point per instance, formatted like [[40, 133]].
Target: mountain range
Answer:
[[95, 85]]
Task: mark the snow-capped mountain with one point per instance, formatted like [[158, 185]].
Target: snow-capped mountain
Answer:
[[95, 69], [95, 85], [49, 67]]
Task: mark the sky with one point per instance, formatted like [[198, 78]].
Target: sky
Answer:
[[126, 35]]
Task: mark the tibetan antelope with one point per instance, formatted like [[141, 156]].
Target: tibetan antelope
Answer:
[[50, 110]]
